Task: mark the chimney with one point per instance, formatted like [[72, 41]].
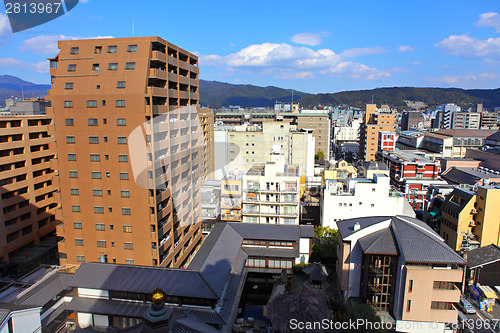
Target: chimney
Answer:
[[357, 226]]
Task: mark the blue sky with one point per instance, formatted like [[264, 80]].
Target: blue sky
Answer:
[[311, 46]]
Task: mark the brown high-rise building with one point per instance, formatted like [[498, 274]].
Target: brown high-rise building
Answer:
[[375, 120], [102, 90], [27, 182]]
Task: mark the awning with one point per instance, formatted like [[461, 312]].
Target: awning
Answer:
[[488, 292]]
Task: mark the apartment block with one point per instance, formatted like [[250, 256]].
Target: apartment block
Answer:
[[319, 123], [360, 197], [448, 110], [28, 182], [387, 141], [231, 192], [489, 120], [249, 144], [411, 120], [469, 217], [375, 120], [411, 174], [466, 120], [131, 151], [400, 265], [271, 192]]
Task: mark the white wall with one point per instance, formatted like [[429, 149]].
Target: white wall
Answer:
[[84, 319], [26, 320], [93, 293], [304, 248]]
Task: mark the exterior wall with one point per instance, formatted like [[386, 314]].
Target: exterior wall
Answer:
[[230, 203], [488, 160], [368, 199], [321, 130], [342, 269], [164, 78], [27, 320], [375, 121], [423, 293], [386, 141], [305, 248], [487, 215], [348, 133], [28, 180]]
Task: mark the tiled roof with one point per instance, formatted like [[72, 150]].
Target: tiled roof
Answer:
[[483, 256], [42, 292], [379, 242], [273, 231]]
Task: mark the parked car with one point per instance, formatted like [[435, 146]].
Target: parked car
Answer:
[[467, 306]]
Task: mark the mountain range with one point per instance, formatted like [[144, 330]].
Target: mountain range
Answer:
[[217, 94]]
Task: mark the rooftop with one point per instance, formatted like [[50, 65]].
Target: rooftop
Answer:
[[480, 133], [483, 256]]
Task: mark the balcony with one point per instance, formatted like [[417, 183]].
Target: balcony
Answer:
[[193, 68], [172, 61], [159, 109], [157, 74], [173, 93], [252, 189], [158, 56], [157, 91], [184, 94], [230, 217]]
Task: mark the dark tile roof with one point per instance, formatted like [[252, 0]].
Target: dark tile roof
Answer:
[[464, 194], [464, 175], [346, 227], [495, 136], [420, 244], [140, 279], [379, 242], [483, 256], [46, 289], [480, 133], [317, 272], [272, 231]]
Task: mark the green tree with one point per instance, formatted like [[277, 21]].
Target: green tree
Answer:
[[324, 249], [319, 154]]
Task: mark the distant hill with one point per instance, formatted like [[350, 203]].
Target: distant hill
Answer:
[[396, 97], [14, 86], [214, 93]]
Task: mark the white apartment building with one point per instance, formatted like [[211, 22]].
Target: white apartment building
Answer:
[[249, 144], [361, 197], [271, 191], [348, 133], [448, 110]]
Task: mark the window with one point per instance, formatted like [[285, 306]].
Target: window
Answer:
[[93, 122], [68, 85], [73, 174], [80, 258], [110, 209], [68, 104], [97, 192], [128, 246], [73, 50], [120, 84], [408, 306], [74, 191], [91, 104], [93, 139], [121, 122], [100, 227], [124, 175], [125, 194], [101, 243], [75, 209], [129, 261], [71, 157], [71, 67], [95, 67], [95, 174], [125, 211], [127, 228], [69, 122], [78, 242], [113, 66], [95, 158], [104, 121], [410, 286], [98, 210], [112, 49], [120, 103], [132, 48], [121, 158], [70, 139], [105, 139], [77, 225], [130, 65], [122, 140]]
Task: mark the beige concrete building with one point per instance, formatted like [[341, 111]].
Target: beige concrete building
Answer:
[[383, 119], [28, 182], [231, 192], [271, 192], [128, 202], [248, 145], [319, 123]]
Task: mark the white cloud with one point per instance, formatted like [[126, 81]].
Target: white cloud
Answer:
[[465, 46], [304, 75], [11, 62], [291, 62], [351, 53], [41, 67], [4, 25], [405, 48], [47, 44], [308, 38], [490, 19], [416, 63], [474, 80]]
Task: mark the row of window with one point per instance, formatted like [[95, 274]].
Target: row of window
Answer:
[[132, 48], [119, 85], [97, 157], [112, 66], [102, 243], [97, 174], [122, 140], [120, 103], [98, 192], [100, 210], [102, 227], [81, 258]]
